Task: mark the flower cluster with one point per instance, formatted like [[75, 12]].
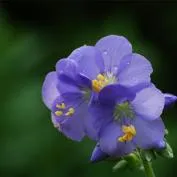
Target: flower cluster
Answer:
[[105, 92]]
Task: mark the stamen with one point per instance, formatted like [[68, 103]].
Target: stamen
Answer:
[[58, 113], [100, 77], [70, 112], [129, 133], [62, 110], [61, 106], [129, 129], [99, 83]]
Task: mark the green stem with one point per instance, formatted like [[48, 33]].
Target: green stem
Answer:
[[147, 167]]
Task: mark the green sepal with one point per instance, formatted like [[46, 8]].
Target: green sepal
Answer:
[[122, 164], [167, 152], [166, 132], [133, 160], [149, 155]]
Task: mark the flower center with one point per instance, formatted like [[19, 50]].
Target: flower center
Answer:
[[62, 110], [102, 80], [123, 110], [129, 133]]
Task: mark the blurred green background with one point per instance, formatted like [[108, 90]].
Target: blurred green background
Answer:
[[33, 36]]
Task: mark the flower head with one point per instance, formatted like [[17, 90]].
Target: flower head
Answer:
[[69, 108], [105, 92], [128, 120], [84, 76], [81, 76]]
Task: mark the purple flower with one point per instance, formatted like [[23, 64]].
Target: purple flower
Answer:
[[69, 109], [110, 61], [126, 120], [98, 154], [78, 79], [169, 99]]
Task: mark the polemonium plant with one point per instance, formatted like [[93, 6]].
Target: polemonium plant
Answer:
[[105, 92]]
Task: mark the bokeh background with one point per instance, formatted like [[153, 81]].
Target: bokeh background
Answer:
[[33, 36]]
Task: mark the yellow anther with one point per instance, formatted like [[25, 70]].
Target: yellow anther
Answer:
[[122, 139], [94, 82], [61, 106], [129, 133], [100, 77], [99, 83], [70, 112], [129, 129], [95, 85], [58, 113], [102, 80]]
